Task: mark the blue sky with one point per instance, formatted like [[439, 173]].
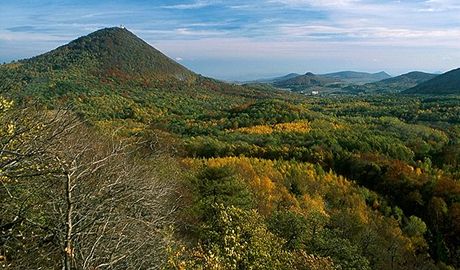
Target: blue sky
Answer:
[[251, 39]]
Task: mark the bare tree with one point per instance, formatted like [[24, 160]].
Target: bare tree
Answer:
[[96, 203], [114, 207], [25, 137]]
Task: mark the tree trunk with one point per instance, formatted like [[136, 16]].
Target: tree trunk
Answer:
[[68, 250]]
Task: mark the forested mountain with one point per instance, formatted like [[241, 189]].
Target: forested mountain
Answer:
[[358, 77], [395, 84], [114, 156], [444, 84], [305, 81], [107, 52], [111, 73], [90, 64], [414, 77]]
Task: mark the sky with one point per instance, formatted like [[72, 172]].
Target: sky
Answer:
[[243, 39]]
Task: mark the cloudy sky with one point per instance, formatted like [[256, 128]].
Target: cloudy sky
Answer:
[[244, 39]]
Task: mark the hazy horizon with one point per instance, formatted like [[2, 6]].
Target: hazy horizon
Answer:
[[237, 40]]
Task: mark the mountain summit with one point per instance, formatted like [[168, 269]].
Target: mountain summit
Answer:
[[112, 74], [112, 52], [306, 81]]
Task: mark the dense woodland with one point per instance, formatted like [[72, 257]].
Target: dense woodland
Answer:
[[127, 169]]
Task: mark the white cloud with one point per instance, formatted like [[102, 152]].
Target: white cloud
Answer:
[[441, 5], [383, 23], [29, 37], [316, 3], [191, 32], [194, 5], [384, 35], [107, 13]]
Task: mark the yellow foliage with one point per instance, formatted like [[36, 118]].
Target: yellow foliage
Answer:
[[5, 104], [260, 129], [267, 180], [7, 127], [338, 126], [313, 204], [14, 65], [295, 127]]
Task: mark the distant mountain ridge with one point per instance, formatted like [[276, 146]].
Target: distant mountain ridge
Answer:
[[413, 77], [444, 84], [345, 76], [324, 83], [394, 84], [357, 77], [275, 79], [305, 81]]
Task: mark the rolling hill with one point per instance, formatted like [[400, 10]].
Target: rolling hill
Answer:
[[306, 81], [395, 84], [357, 77], [444, 84]]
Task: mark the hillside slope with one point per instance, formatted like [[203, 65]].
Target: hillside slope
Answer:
[[395, 84], [444, 84], [110, 51]]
